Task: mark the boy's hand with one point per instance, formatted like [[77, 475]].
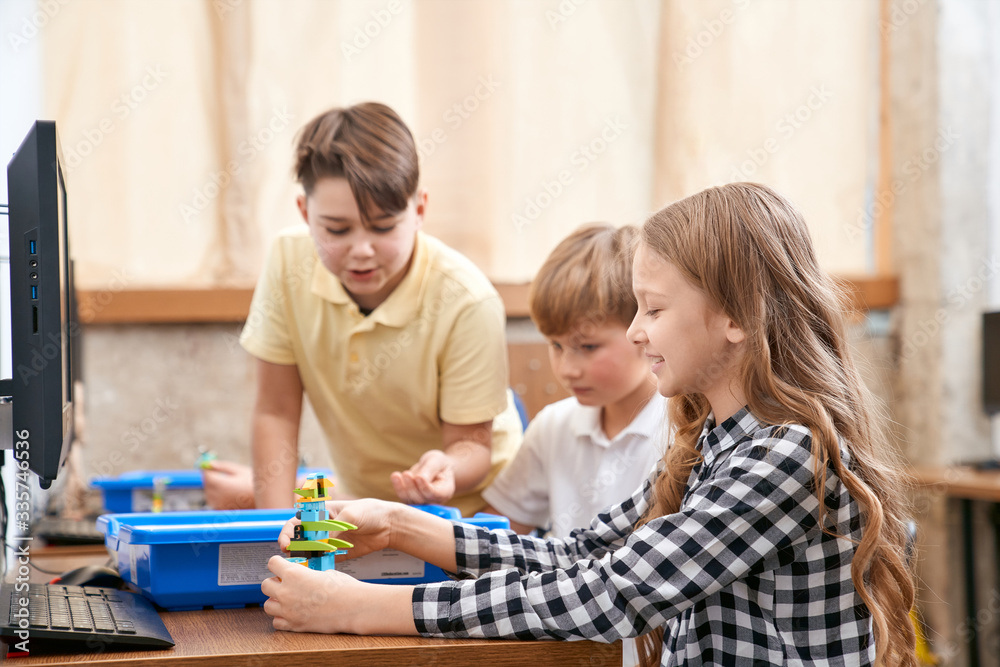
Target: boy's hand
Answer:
[[373, 518], [431, 480], [228, 486]]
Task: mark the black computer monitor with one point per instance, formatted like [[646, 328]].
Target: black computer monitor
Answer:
[[41, 304]]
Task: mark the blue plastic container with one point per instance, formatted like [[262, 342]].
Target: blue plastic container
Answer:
[[133, 491], [191, 560]]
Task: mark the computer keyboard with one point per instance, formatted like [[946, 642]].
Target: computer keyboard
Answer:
[[94, 618], [56, 530]]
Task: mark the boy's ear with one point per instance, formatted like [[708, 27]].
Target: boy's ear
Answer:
[[300, 201], [420, 203]]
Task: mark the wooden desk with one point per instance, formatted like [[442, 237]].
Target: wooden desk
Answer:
[[245, 638], [966, 484]]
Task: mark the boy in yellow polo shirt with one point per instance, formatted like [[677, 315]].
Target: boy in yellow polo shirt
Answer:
[[397, 339]]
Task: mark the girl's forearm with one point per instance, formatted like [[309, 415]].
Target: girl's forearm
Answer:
[[383, 609], [428, 537]]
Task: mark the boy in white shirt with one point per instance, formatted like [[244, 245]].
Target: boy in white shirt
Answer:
[[585, 453]]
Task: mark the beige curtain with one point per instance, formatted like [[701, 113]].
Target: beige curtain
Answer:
[[177, 118]]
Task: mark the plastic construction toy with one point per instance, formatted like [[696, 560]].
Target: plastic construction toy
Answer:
[[160, 483], [205, 460], [311, 544]]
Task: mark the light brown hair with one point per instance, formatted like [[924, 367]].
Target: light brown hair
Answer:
[[586, 281], [369, 145], [749, 250]]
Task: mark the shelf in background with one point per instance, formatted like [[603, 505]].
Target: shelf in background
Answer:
[[231, 304]]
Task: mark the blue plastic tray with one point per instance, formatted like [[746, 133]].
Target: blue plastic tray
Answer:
[[191, 560]]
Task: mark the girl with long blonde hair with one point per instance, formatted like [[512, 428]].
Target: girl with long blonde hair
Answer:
[[771, 533]]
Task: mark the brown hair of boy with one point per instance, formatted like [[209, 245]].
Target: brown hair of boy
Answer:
[[369, 145], [585, 282]]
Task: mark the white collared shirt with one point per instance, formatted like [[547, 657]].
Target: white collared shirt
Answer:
[[567, 469]]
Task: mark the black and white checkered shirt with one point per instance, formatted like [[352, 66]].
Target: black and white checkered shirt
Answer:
[[741, 575]]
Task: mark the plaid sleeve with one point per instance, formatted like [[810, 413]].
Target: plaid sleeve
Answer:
[[479, 550], [745, 513]]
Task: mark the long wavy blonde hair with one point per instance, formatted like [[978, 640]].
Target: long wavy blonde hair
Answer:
[[749, 250]]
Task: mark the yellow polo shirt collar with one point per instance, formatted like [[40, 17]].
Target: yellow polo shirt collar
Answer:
[[396, 311]]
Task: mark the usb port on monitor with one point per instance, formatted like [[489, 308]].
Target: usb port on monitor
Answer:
[[34, 291], [31, 247]]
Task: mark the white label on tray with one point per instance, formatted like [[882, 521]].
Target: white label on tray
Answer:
[[385, 564], [132, 564], [242, 563], [174, 500]]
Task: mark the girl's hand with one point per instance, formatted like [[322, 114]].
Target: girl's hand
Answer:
[[374, 519], [304, 600]]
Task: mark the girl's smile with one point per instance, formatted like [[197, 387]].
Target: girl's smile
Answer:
[[692, 346]]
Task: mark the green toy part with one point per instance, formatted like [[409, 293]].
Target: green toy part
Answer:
[[328, 524], [329, 544]]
